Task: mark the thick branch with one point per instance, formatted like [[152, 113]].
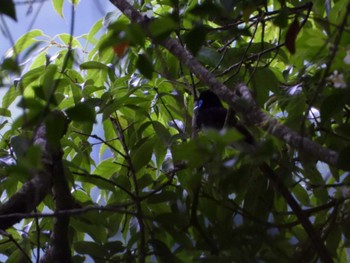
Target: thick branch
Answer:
[[252, 114], [300, 214], [60, 251], [34, 191]]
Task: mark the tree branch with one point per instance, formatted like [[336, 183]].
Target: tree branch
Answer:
[[304, 220], [32, 192], [251, 113], [60, 250], [137, 198]]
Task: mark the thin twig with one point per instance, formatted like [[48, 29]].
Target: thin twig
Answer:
[[11, 239], [38, 230], [137, 199], [329, 63], [94, 136], [74, 211], [299, 213], [107, 181]]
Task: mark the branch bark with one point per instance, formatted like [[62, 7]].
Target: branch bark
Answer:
[[60, 250], [32, 192], [314, 236], [51, 176], [245, 106], [251, 113]]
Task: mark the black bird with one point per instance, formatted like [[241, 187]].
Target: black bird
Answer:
[[210, 113]]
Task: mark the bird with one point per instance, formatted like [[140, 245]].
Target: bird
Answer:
[[210, 113]]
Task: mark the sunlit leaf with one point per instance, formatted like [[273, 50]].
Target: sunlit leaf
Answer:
[[58, 6], [68, 40], [26, 41]]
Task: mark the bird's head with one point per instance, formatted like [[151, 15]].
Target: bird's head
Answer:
[[208, 99]]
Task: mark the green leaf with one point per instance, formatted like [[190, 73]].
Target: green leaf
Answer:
[[162, 27], [82, 197], [194, 152], [141, 156], [144, 181], [162, 132], [5, 112], [96, 231], [333, 240], [333, 104], [301, 194], [48, 80], [114, 246], [135, 35], [106, 168], [58, 6], [94, 65], [344, 159], [7, 7], [3, 124], [281, 19], [11, 65], [206, 8], [31, 103], [56, 126], [195, 38], [264, 81], [68, 40], [81, 113], [90, 248], [164, 196], [26, 41], [94, 29], [94, 181], [145, 66], [209, 56], [162, 251]]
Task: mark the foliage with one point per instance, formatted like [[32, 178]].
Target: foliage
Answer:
[[144, 187]]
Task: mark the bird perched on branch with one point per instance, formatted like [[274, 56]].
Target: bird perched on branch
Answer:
[[210, 113]]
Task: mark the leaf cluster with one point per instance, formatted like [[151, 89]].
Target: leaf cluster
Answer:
[[145, 188]]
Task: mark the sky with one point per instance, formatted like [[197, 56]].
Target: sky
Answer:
[[43, 16]]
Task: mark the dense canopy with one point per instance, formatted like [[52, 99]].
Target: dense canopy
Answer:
[[102, 159]]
